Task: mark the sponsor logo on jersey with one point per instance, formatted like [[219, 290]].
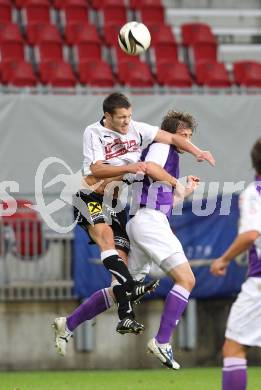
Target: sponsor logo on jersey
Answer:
[[94, 207], [119, 147]]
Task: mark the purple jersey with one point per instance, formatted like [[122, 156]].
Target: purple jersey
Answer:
[[250, 219], [157, 195]]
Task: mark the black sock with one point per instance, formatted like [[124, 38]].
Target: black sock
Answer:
[[118, 268], [124, 305]]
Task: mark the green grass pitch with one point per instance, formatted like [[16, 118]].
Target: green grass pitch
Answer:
[[163, 379]]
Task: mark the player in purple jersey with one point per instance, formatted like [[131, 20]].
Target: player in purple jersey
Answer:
[[244, 321], [152, 241]]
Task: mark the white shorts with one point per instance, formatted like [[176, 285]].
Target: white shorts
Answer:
[[152, 242], [244, 321]]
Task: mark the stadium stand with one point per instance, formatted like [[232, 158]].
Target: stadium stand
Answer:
[[81, 31]]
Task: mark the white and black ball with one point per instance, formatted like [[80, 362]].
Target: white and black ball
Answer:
[[134, 38]]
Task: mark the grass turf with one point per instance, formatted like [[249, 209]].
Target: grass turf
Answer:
[[185, 379]]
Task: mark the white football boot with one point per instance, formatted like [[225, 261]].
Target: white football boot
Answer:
[[62, 335], [164, 353]]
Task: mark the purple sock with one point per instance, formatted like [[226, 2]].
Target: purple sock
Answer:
[[94, 305], [175, 304], [234, 374]]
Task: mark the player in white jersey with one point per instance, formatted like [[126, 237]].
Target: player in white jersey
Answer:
[[244, 321], [113, 147]]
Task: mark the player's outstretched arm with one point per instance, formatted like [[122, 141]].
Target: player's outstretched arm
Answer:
[[242, 243], [182, 143]]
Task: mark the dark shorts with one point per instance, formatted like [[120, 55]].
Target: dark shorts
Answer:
[[89, 209]]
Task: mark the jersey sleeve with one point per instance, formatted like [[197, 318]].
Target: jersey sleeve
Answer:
[[92, 150], [250, 212], [147, 133], [158, 153]]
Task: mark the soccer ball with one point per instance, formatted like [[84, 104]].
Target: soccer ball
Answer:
[[134, 38]]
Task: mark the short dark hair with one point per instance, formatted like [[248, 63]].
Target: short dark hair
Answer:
[[115, 100], [174, 120], [256, 156]]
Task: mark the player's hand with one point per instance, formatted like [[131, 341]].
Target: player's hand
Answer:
[[192, 183], [139, 167], [205, 155], [219, 267]]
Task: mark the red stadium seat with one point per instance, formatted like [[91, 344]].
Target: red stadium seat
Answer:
[[173, 74], [19, 74], [57, 74], [135, 74], [5, 11], [11, 43], [114, 11], [74, 11], [203, 52], [164, 43], [10, 51], [96, 73], [111, 31], [151, 11], [10, 31], [76, 32], [49, 47], [39, 32], [34, 11], [247, 73], [87, 45], [212, 74], [121, 57], [28, 230], [196, 32], [161, 34]]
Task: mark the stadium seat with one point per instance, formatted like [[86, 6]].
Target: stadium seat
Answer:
[[28, 230], [57, 74], [10, 31], [96, 73], [34, 11], [19, 74], [110, 33], [151, 11], [135, 74], [172, 74], [74, 11], [113, 11], [11, 43], [203, 52], [5, 11], [121, 57], [247, 73], [196, 32], [212, 74], [49, 47], [161, 33], [76, 32], [87, 45], [39, 32], [164, 43]]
